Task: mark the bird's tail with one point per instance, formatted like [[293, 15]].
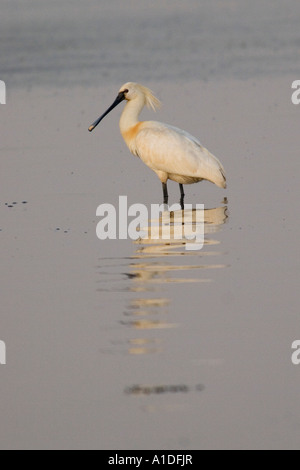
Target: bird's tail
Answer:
[[223, 183], [217, 173]]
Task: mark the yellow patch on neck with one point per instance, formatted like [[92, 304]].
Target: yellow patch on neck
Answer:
[[131, 133]]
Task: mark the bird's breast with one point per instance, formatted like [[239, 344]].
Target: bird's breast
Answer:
[[130, 134]]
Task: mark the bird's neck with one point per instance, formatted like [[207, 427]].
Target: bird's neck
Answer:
[[130, 115]]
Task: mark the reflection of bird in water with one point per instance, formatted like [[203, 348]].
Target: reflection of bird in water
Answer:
[[152, 268], [162, 389], [146, 272], [146, 315], [171, 153], [153, 241]]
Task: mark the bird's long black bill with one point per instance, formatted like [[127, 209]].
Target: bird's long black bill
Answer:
[[118, 100]]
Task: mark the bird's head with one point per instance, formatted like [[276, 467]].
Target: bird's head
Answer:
[[134, 91], [131, 91]]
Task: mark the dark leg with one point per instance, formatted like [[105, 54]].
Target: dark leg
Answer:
[[182, 196], [165, 191]]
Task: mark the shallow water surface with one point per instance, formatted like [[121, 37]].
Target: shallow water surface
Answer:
[[122, 344]]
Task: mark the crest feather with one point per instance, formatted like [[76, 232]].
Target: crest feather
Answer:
[[150, 100]]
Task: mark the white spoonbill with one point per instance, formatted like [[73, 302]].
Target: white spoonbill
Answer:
[[171, 153]]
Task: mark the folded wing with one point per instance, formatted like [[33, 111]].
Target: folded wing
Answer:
[[173, 151]]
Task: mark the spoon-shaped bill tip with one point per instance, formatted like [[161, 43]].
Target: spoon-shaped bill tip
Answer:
[[119, 99]]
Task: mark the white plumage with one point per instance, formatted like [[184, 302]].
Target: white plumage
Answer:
[[171, 153]]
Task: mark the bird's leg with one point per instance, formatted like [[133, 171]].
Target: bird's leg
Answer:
[[182, 196], [165, 191]]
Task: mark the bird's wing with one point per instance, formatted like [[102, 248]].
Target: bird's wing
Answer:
[[174, 151]]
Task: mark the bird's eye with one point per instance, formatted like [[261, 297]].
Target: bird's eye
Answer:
[[125, 91]]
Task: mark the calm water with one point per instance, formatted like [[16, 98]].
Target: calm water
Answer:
[[70, 42], [122, 344]]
